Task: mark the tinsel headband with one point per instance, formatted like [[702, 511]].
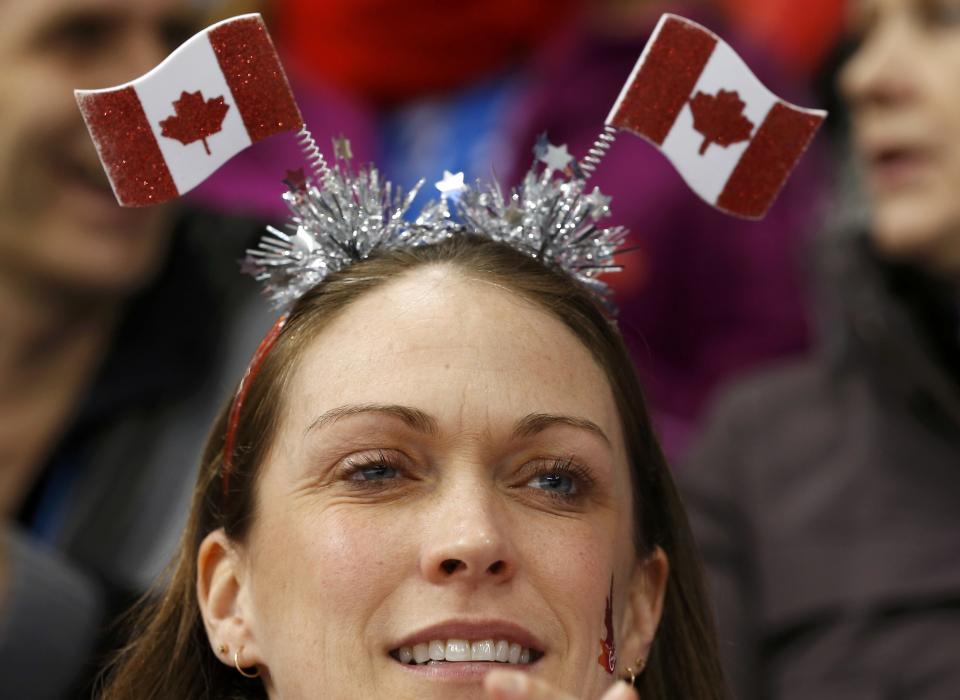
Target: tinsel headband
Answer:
[[690, 95], [341, 216]]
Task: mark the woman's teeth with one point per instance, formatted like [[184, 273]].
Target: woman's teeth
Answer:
[[463, 650]]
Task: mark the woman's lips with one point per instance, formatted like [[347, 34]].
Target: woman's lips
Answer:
[[472, 630], [466, 650], [462, 671], [88, 195], [894, 167], [86, 172]]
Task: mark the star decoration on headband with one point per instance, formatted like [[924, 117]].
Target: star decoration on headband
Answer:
[[340, 217], [599, 201], [248, 266], [451, 185], [341, 148], [551, 220], [556, 157]]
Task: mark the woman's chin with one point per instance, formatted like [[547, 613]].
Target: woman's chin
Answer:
[[921, 234]]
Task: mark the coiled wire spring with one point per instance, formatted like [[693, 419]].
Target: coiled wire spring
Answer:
[[312, 154], [598, 150]]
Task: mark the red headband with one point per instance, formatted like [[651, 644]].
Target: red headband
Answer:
[[231, 437]]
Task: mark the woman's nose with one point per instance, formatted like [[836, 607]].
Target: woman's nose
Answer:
[[465, 542], [881, 71]]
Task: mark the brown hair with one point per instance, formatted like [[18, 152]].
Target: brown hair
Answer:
[[169, 657]]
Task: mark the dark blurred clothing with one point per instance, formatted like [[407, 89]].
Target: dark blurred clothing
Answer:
[[824, 497], [108, 510], [705, 297]]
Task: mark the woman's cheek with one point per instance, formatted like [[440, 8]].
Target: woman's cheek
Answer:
[[356, 547], [573, 568], [309, 553]]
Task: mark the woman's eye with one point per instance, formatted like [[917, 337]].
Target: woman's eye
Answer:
[[176, 31], [377, 470], [945, 13], [374, 472], [81, 34], [554, 482]]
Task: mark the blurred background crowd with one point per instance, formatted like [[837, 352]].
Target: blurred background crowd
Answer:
[[803, 371]]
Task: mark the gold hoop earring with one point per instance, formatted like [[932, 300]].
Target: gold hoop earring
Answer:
[[634, 672], [236, 663]]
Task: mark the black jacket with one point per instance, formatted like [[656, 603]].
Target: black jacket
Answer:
[[826, 498]]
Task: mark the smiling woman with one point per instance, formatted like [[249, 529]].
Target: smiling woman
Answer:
[[443, 466]]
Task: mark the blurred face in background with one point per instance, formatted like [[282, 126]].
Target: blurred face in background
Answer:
[[903, 89], [61, 225]]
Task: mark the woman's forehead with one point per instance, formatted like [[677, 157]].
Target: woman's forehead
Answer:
[[461, 349]]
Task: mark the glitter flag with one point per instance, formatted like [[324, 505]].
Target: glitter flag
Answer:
[[732, 140], [164, 133]]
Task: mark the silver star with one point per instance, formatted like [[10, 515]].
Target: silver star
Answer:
[[556, 157], [452, 184], [341, 148], [597, 199], [248, 266]]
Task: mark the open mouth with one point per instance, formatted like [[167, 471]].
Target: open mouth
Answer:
[[444, 651], [893, 156], [896, 166]]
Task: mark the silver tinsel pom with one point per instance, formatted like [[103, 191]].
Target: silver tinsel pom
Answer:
[[346, 217]]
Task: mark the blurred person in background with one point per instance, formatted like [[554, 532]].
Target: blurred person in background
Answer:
[[108, 324], [471, 87], [824, 493]]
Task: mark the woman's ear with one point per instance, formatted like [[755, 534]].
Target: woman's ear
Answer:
[[224, 605], [643, 609]]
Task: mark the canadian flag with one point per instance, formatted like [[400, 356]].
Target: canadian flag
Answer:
[[164, 133], [731, 139]]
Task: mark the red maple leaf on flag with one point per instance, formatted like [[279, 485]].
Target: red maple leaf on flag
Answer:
[[720, 118], [194, 118]]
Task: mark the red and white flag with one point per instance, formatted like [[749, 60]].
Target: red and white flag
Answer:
[[164, 133], [731, 139]]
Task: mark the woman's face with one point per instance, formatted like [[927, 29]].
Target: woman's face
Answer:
[[903, 90], [449, 466]]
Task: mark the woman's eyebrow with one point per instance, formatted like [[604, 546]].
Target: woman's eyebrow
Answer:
[[534, 423], [420, 421], [413, 417]]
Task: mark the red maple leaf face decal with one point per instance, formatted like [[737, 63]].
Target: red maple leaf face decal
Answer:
[[194, 118], [720, 118], [608, 647]]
